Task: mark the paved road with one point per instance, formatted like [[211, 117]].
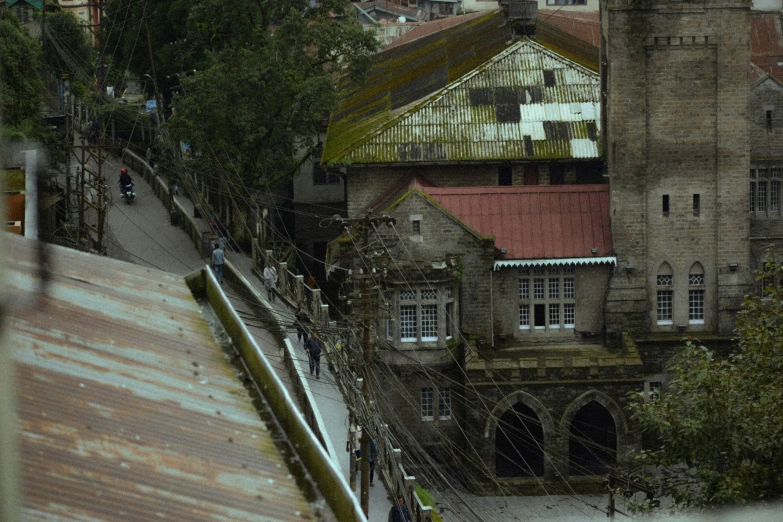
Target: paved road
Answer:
[[141, 233]]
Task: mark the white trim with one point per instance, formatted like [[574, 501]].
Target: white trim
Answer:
[[665, 323], [555, 262], [696, 321]]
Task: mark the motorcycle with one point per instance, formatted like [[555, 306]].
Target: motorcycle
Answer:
[[128, 193]]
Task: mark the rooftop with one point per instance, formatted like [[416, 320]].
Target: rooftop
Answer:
[[535, 222], [128, 406]]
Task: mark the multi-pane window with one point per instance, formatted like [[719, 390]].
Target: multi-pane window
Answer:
[[421, 314], [569, 315], [427, 404], [765, 190], [321, 176], [554, 315], [538, 288], [552, 304], [524, 288], [568, 288], [696, 293], [444, 404], [408, 330], [664, 295], [554, 288], [429, 322], [524, 317]]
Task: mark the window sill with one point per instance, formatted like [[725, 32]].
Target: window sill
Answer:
[[427, 419], [429, 339], [696, 321], [524, 327], [570, 326], [408, 340], [665, 323]]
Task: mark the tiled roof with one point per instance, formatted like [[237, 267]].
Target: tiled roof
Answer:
[[128, 408], [766, 43], [527, 102], [406, 74], [535, 222]]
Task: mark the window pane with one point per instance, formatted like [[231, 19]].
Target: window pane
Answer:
[[569, 314], [568, 269], [429, 294], [408, 331], [664, 305], [554, 315], [444, 404], [524, 271], [540, 320], [774, 196], [524, 317], [696, 306], [449, 320], [554, 270], [554, 288], [696, 279], [538, 288], [524, 288], [426, 404], [429, 322], [389, 333], [407, 295], [761, 201], [752, 197], [664, 280], [538, 270], [568, 288], [449, 292]]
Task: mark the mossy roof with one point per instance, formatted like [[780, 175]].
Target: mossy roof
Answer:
[[407, 73], [526, 102]]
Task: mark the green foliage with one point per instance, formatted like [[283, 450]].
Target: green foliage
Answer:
[[72, 53], [21, 88], [264, 91], [720, 426], [426, 498], [128, 122]]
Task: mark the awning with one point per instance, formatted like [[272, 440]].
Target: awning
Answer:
[[555, 262]]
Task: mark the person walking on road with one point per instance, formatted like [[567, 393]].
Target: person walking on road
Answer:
[[302, 318], [218, 260], [270, 282], [399, 511], [314, 347]]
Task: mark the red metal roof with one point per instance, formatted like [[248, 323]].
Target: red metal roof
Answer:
[[766, 43], [584, 26], [433, 27], [535, 222]]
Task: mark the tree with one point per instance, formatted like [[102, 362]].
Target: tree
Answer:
[[22, 88], [720, 425], [72, 53]]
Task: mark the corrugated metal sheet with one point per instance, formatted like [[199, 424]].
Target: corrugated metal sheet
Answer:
[[526, 103], [766, 43], [128, 407], [535, 222]]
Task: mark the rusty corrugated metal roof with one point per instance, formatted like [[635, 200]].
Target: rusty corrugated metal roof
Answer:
[[435, 26], [535, 222], [128, 407], [525, 103]]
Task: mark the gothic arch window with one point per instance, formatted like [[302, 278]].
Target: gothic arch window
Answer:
[[519, 443], [592, 444], [664, 283], [696, 291]]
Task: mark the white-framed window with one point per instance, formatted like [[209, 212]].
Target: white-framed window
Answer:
[[425, 314], [427, 404], [664, 295], [552, 305], [696, 291], [408, 329], [429, 322], [569, 315], [444, 404], [653, 387], [524, 317], [765, 191]]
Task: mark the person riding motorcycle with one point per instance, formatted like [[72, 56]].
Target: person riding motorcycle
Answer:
[[125, 180]]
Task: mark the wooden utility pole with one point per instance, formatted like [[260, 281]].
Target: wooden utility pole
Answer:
[[364, 225]]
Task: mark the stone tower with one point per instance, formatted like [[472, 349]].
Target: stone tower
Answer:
[[675, 80]]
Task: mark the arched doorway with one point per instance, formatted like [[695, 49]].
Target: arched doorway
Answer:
[[592, 445], [519, 443]]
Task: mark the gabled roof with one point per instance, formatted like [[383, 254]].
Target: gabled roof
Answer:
[[527, 102], [405, 74], [128, 407], [535, 222]]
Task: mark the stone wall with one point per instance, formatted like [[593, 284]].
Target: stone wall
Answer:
[[766, 134], [677, 126]]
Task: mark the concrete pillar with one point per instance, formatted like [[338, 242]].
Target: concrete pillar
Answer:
[[299, 290], [282, 279], [324, 313]]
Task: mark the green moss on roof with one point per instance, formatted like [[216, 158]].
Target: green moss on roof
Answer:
[[408, 73]]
